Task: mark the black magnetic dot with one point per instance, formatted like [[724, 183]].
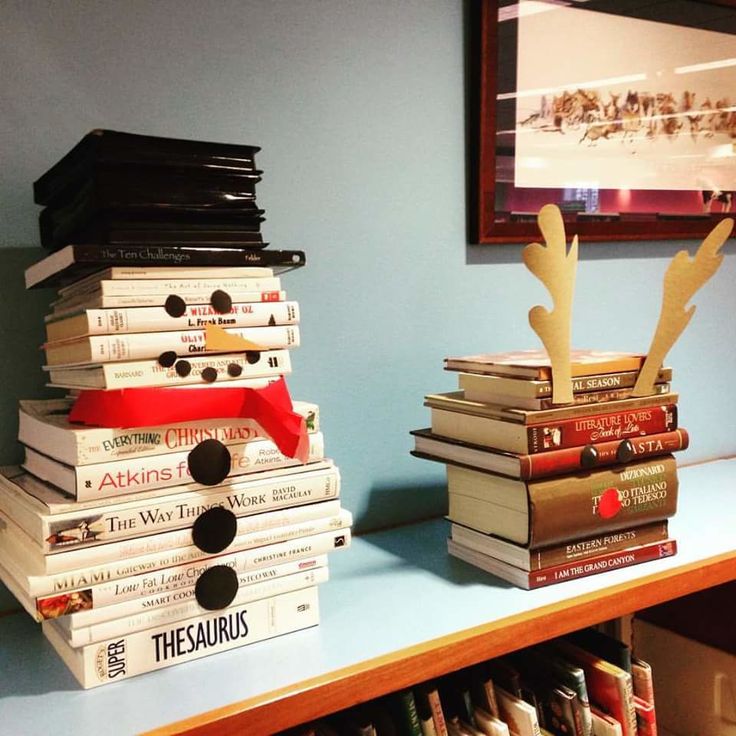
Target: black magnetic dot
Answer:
[[167, 359], [175, 306], [209, 374], [221, 301], [625, 452], [234, 369], [216, 587], [214, 529], [588, 456], [252, 356], [209, 462], [183, 368], [271, 321]]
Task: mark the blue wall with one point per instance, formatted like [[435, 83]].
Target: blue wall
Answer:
[[359, 110]]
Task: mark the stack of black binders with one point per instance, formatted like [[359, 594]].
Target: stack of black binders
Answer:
[[121, 188]]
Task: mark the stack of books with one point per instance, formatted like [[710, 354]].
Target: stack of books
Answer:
[[174, 502], [540, 494], [117, 187]]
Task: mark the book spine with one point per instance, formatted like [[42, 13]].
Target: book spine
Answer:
[[102, 445], [641, 675], [614, 452], [66, 308], [144, 651], [176, 285], [124, 567], [578, 506], [160, 603], [156, 319], [593, 397], [133, 374], [247, 526], [602, 563], [93, 526], [619, 425], [159, 471], [142, 346], [81, 636], [646, 720], [182, 576], [579, 550]]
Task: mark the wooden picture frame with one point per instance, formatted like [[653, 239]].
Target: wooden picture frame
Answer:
[[492, 221]]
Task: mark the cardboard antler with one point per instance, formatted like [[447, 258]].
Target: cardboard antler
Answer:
[[683, 278], [555, 268]]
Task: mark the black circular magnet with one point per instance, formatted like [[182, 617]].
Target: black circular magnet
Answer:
[[234, 370], [216, 587], [175, 306], [183, 368], [214, 530], [221, 301], [588, 456], [625, 452], [209, 462], [252, 356], [209, 374], [167, 359]]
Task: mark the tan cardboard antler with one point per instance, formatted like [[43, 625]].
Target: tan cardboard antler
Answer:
[[555, 268], [683, 278]]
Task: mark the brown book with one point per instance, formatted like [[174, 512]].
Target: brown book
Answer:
[[555, 510], [576, 550], [535, 364]]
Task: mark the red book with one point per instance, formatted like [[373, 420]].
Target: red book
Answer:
[[646, 718]]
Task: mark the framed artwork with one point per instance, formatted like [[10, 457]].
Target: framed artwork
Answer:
[[621, 113]]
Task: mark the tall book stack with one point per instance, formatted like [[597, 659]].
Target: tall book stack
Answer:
[[540, 494], [559, 461], [175, 503]]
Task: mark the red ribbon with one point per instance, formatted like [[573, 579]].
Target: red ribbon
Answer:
[[271, 407]]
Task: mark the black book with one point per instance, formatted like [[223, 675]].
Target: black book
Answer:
[[74, 262], [109, 147]]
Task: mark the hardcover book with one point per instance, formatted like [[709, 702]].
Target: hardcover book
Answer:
[[555, 510]]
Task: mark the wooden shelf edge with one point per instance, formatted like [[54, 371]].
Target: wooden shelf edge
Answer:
[[334, 691]]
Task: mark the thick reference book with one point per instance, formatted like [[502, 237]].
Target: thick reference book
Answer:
[[555, 510], [74, 262], [132, 475], [57, 523], [545, 464], [44, 425], [530, 580], [576, 550], [535, 364], [152, 649]]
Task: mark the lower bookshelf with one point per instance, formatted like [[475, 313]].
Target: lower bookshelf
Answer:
[[397, 611]]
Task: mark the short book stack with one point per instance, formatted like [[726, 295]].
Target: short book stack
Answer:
[[541, 495], [559, 461], [175, 502]]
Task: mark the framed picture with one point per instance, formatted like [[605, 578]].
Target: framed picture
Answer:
[[621, 113]]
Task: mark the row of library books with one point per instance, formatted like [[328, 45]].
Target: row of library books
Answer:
[[540, 494], [185, 507], [584, 684]]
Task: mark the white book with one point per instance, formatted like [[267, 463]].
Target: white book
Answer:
[[58, 523], [488, 724], [121, 280], [29, 556], [131, 475], [605, 725], [45, 427], [182, 576], [126, 566], [68, 307], [129, 624], [135, 654], [161, 602], [157, 319], [520, 716], [148, 345]]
